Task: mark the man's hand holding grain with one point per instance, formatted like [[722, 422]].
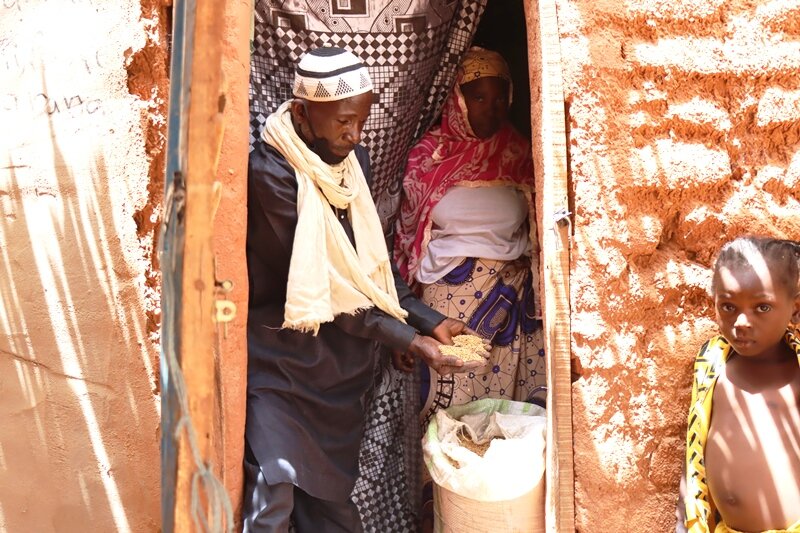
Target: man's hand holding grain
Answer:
[[459, 349]]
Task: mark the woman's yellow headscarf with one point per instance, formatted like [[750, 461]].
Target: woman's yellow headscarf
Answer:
[[481, 63]]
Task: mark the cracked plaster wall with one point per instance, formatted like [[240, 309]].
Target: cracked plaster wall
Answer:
[[82, 95], [684, 132]]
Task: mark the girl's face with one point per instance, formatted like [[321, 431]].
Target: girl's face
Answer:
[[753, 309], [487, 105]]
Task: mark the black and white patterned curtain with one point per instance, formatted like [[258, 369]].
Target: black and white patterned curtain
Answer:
[[412, 49]]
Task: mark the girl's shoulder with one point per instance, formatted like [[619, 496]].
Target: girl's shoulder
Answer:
[[713, 352]]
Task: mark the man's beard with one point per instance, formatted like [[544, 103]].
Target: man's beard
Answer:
[[322, 148]]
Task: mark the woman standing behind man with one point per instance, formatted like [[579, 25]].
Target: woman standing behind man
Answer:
[[466, 235]]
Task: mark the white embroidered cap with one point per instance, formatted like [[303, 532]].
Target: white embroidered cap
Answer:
[[329, 73]]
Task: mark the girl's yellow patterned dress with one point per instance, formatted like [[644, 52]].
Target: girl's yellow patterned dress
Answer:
[[700, 511]]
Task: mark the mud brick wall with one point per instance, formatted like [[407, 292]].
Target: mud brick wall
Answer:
[[684, 132]]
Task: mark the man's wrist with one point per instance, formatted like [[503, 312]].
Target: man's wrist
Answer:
[[414, 346]]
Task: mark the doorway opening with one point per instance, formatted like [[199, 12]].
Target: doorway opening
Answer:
[[413, 65]]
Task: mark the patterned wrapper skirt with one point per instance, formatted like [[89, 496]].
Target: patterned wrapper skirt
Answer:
[[496, 299]]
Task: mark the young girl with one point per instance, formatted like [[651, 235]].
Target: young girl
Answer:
[[743, 454]]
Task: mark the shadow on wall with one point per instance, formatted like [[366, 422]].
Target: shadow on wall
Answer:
[[678, 142], [79, 417]]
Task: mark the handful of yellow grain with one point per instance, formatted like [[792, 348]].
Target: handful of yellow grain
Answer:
[[465, 347]]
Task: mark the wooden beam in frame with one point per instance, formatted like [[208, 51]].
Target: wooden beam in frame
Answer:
[[548, 123], [197, 311]]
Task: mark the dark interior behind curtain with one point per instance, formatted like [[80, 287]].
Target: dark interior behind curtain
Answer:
[[412, 49]]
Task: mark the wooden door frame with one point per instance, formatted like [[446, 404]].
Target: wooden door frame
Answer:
[[549, 144]]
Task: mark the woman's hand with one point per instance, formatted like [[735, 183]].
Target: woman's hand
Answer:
[[450, 327], [427, 349]]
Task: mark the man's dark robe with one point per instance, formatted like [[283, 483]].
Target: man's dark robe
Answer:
[[305, 394]]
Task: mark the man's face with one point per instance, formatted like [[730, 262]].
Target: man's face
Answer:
[[487, 105], [332, 129], [753, 309]]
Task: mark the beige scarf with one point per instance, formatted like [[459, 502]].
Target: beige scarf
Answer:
[[327, 277]]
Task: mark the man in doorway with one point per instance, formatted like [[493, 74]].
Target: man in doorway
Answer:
[[322, 291]]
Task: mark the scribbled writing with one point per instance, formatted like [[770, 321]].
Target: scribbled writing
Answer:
[[18, 61], [44, 104], [22, 5]]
